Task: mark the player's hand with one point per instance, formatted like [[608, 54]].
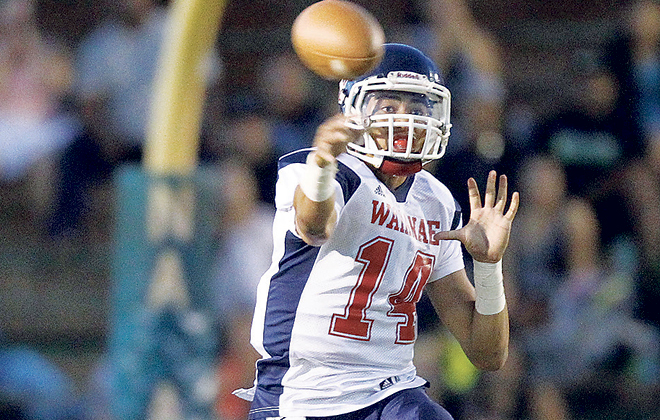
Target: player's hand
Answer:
[[331, 139], [486, 235]]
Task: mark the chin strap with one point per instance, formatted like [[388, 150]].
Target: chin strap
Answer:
[[393, 167]]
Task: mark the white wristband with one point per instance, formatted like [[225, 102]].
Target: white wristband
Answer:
[[318, 183], [489, 287]]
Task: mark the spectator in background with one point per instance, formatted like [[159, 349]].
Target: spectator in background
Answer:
[[245, 252], [633, 56], [35, 78], [242, 147], [471, 59], [589, 137], [244, 256], [279, 116], [116, 64], [558, 237], [572, 314], [249, 137], [293, 99], [588, 134]]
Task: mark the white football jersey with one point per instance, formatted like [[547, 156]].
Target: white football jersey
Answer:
[[336, 324]]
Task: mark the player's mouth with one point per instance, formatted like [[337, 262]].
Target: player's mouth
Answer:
[[400, 143]]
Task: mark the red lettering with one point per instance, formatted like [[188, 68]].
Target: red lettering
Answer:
[[424, 232], [394, 223], [380, 213], [421, 234], [434, 224], [412, 221]]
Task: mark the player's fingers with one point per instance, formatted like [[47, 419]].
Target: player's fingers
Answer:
[[333, 125], [489, 197], [351, 123], [340, 134], [473, 194], [337, 143], [323, 157], [513, 207], [502, 191], [448, 235], [333, 136]]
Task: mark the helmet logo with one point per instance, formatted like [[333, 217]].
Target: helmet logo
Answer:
[[406, 75]]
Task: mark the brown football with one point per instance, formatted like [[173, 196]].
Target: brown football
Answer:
[[338, 39]]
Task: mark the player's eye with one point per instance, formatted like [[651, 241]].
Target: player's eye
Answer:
[[420, 111], [386, 106], [416, 107]]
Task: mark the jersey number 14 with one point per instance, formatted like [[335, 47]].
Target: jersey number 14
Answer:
[[374, 255]]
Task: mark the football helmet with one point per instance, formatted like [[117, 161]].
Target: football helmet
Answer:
[[403, 108]]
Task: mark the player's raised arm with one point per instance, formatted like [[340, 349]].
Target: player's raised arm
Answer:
[[477, 316], [314, 200]]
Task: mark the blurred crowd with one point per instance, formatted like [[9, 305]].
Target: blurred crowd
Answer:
[[583, 268]]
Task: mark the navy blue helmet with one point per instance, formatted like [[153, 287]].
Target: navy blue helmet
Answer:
[[403, 102]]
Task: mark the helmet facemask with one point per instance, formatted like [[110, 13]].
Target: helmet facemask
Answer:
[[405, 117]]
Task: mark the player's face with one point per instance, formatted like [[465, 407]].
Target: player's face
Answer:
[[381, 103]]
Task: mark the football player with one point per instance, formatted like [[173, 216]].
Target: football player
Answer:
[[361, 229]]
